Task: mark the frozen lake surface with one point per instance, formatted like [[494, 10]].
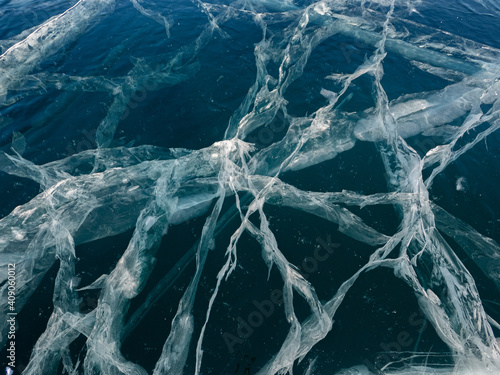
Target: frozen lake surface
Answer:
[[250, 187]]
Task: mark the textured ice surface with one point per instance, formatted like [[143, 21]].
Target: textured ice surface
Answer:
[[232, 184]]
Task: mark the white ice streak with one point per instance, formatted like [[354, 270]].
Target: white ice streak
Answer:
[[156, 16], [24, 56]]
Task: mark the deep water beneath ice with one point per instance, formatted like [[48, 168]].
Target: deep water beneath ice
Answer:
[[250, 187]]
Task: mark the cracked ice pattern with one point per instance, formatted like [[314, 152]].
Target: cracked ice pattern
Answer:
[[233, 183]]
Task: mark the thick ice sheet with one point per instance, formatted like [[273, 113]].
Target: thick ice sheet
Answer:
[[108, 190]]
